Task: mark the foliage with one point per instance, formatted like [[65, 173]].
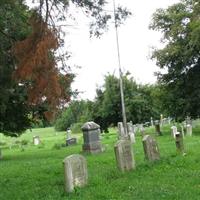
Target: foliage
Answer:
[[139, 102], [14, 110], [32, 86], [180, 56], [77, 111], [76, 127]]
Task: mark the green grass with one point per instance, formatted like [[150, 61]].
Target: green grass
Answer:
[[36, 172]]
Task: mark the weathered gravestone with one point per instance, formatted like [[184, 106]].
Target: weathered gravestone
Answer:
[[69, 140], [189, 129], [124, 155], [91, 138], [75, 172], [121, 131], [179, 143], [157, 127], [151, 121], [151, 150], [36, 140], [131, 133], [173, 131]]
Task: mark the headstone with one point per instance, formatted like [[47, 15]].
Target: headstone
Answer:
[[124, 155], [179, 143], [131, 132], [157, 127], [121, 131], [189, 129], [161, 120], [173, 131], [150, 146], [75, 172], [91, 132], [68, 133], [69, 140], [36, 140], [141, 129], [152, 121], [182, 131], [169, 120]]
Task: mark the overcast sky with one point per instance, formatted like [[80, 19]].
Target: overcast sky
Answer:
[[99, 56]]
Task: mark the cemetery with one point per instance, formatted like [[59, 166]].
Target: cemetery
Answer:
[[99, 100], [124, 170]]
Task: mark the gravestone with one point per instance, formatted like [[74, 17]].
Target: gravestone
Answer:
[[152, 121], [173, 131], [36, 140], [124, 155], [169, 120], [69, 140], [150, 146], [75, 172], [182, 131], [131, 132], [189, 129], [157, 127], [179, 143], [121, 131], [91, 132], [141, 130], [161, 120]]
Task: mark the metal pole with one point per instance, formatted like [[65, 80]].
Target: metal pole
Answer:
[[120, 76]]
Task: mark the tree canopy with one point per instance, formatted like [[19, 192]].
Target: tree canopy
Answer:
[[33, 83], [180, 57]]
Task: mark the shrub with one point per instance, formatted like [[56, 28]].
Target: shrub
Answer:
[[76, 127]]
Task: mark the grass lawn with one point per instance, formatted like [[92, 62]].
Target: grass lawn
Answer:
[[36, 172]]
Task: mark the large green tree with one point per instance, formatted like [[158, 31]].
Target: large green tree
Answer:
[[139, 102], [180, 57], [14, 110]]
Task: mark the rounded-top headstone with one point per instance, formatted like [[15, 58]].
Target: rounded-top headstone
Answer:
[[90, 126]]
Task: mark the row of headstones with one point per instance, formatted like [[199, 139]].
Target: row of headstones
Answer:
[[75, 166], [184, 129]]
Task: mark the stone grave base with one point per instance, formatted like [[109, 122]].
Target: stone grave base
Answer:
[[71, 141]]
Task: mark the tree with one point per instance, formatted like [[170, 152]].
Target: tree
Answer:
[[31, 79], [76, 112], [180, 56], [14, 111], [139, 102]]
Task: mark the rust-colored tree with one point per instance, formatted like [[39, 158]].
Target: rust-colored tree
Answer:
[[37, 67]]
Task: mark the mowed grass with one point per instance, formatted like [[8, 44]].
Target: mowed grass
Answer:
[[36, 172]]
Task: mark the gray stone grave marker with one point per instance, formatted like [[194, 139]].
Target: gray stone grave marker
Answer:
[[75, 172], [121, 131], [124, 155], [36, 140], [131, 132], [157, 127], [189, 129], [179, 143], [150, 146], [173, 131], [91, 138], [70, 140]]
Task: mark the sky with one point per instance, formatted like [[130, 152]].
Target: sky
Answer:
[[98, 57]]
